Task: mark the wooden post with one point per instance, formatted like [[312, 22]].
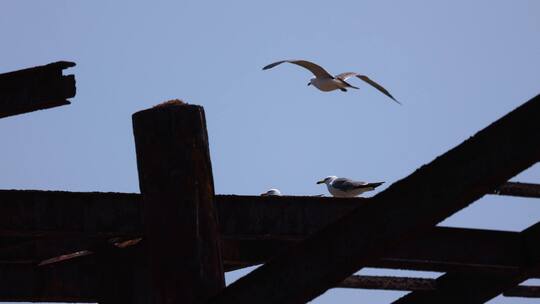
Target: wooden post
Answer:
[[175, 178]]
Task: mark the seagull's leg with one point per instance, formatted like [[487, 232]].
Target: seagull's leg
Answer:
[[343, 89]]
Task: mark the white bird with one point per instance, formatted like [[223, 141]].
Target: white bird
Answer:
[[344, 187], [272, 192], [326, 82]]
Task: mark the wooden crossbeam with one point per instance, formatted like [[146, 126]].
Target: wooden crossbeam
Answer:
[[252, 230], [442, 249], [399, 214], [421, 284], [519, 189], [36, 88], [64, 282], [33, 213], [86, 279], [459, 287], [388, 283], [523, 291]]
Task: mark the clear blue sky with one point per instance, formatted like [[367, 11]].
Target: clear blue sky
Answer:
[[455, 65]]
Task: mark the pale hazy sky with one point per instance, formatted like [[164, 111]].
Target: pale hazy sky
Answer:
[[455, 65]]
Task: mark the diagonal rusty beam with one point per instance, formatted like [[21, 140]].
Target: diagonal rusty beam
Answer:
[[459, 287], [36, 88], [404, 211]]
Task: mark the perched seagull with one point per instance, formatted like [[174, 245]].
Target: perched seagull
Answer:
[[272, 192], [326, 82], [344, 187]]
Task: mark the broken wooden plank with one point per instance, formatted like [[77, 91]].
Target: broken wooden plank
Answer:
[[36, 88]]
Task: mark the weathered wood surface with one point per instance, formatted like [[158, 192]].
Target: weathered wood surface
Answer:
[[471, 288], [253, 230], [35, 88], [179, 220], [422, 284], [519, 189]]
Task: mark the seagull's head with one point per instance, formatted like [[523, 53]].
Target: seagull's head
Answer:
[[327, 180], [272, 192], [311, 81]]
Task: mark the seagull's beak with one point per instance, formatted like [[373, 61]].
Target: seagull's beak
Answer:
[[309, 83], [320, 182]]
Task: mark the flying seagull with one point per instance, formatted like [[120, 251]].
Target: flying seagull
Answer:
[[326, 82], [344, 187], [272, 192]]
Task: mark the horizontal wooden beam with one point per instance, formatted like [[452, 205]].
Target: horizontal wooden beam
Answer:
[[442, 249], [523, 291], [31, 213], [388, 283], [253, 230], [63, 282], [404, 211], [421, 284], [82, 280], [519, 189], [88, 279], [35, 88], [467, 287]]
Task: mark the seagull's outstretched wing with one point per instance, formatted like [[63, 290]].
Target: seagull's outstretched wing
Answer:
[[347, 75], [317, 70]]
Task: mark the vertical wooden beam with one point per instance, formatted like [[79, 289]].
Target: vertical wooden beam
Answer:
[[175, 178]]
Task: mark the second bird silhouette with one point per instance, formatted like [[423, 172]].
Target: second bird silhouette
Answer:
[[325, 82]]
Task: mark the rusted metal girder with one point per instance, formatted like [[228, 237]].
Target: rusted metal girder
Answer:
[[401, 213], [36, 88]]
